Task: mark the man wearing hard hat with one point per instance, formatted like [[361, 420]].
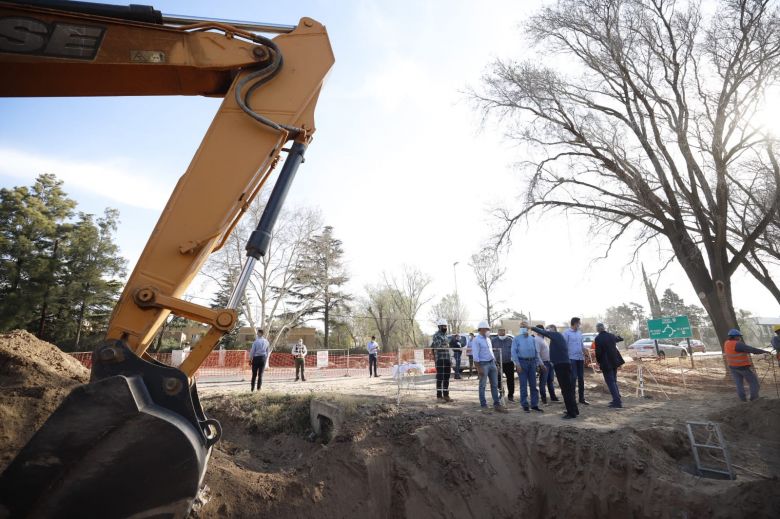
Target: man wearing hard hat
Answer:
[[441, 355], [485, 360], [738, 358]]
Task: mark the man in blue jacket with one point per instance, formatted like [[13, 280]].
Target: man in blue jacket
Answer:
[[526, 360], [559, 356]]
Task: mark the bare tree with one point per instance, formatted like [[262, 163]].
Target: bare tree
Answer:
[[452, 309], [488, 271], [407, 294], [381, 307], [266, 303], [651, 127]]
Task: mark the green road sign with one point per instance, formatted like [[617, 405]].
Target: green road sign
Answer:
[[678, 327]]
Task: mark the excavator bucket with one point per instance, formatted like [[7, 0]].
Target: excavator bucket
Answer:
[[134, 442]]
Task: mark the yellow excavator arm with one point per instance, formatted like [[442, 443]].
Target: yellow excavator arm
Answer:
[[270, 88]]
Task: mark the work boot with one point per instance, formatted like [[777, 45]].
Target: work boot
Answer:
[[447, 398], [296, 379], [544, 400], [584, 402], [567, 416], [536, 408], [510, 398], [554, 399], [527, 409], [500, 409]]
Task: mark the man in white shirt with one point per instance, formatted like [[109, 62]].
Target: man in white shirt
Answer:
[[258, 354], [373, 354], [547, 374], [299, 354]]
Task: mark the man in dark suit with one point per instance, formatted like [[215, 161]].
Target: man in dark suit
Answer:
[[559, 356], [609, 359]]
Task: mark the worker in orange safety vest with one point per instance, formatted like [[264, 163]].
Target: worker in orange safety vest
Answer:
[[738, 358]]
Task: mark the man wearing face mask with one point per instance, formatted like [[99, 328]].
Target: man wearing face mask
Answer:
[[441, 355], [526, 360], [504, 343]]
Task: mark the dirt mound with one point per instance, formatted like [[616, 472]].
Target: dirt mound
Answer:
[[34, 378], [758, 419], [402, 462]]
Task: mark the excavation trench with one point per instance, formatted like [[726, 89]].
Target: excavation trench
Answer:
[[393, 462]]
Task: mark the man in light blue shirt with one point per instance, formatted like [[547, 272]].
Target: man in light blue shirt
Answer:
[[482, 351], [526, 359], [258, 354], [573, 337], [373, 354]]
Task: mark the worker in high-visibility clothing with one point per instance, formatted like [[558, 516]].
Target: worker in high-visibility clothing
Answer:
[[738, 358]]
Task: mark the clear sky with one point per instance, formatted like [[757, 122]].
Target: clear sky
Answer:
[[400, 166]]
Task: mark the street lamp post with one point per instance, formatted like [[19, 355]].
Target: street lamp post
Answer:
[[455, 274]]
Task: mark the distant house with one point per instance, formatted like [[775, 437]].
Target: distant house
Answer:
[[764, 327]]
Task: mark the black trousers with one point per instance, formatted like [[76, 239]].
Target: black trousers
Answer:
[[563, 374], [443, 368], [509, 370], [371, 363], [299, 365], [258, 366]]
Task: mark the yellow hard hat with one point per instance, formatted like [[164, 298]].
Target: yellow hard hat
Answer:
[[777, 328]]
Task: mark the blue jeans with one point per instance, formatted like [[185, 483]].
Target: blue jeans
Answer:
[[546, 381], [610, 377], [457, 355], [578, 374], [741, 374], [489, 371], [528, 378]]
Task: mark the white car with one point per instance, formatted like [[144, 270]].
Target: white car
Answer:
[[646, 348], [587, 340], [696, 346]]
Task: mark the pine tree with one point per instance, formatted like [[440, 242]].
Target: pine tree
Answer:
[[320, 276], [32, 224], [92, 263], [220, 300]]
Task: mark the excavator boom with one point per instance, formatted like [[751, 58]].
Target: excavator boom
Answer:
[[138, 425]]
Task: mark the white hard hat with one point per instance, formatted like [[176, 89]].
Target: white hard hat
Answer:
[[441, 322], [483, 324]]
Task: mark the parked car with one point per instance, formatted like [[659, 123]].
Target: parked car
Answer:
[[646, 348], [696, 346], [587, 341]]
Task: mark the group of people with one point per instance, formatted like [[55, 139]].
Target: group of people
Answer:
[[258, 359], [530, 357]]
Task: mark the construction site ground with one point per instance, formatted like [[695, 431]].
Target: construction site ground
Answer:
[[418, 458]]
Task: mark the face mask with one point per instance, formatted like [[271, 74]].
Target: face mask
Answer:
[[523, 331]]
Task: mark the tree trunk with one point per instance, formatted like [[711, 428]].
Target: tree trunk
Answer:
[[82, 311], [487, 309], [325, 323]]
